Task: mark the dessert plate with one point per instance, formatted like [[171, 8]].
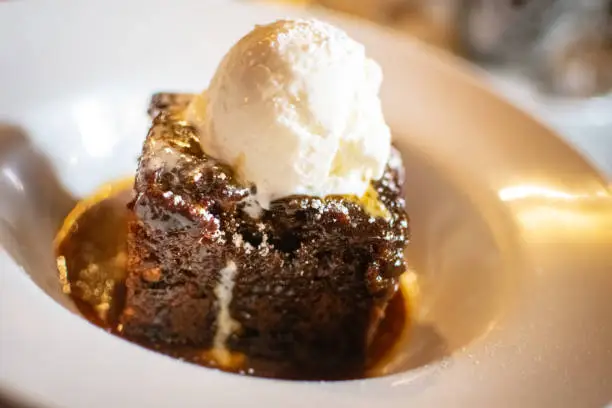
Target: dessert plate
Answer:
[[512, 229]]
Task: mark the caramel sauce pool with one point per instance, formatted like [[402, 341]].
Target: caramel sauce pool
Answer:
[[91, 253]]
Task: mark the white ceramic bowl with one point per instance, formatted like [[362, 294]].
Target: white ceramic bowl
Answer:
[[512, 229]]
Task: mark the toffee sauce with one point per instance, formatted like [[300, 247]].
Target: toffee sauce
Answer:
[[91, 251]]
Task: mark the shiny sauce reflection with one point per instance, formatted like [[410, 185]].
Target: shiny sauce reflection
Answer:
[[91, 253]]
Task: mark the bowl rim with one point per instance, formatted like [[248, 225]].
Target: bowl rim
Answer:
[[34, 349]]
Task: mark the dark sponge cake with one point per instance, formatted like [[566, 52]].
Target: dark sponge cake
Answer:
[[305, 282]]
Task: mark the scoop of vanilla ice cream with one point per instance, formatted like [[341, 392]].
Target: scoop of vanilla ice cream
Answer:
[[294, 108]]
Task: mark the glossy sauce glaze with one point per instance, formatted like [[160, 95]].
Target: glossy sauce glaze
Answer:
[[92, 256]]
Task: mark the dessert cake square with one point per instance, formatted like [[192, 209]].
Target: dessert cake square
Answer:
[[304, 282]]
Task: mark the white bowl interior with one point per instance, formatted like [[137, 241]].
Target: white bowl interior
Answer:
[[493, 277], [462, 277]]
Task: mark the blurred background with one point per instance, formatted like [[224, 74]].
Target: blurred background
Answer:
[[552, 58], [563, 46]]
